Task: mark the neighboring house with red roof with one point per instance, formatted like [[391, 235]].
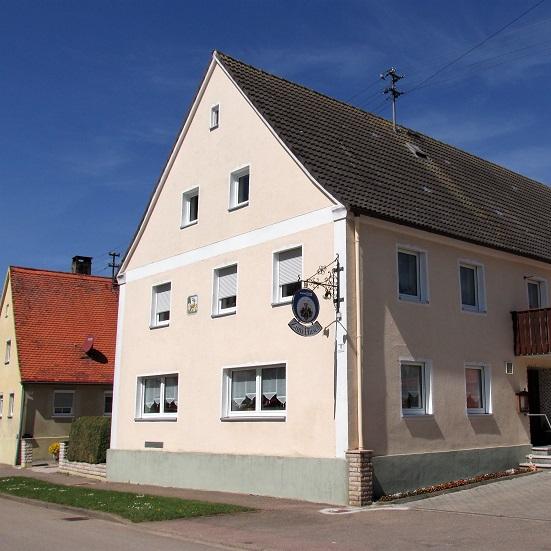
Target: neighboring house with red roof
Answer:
[[57, 336]]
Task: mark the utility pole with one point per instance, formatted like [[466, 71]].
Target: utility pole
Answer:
[[113, 264], [392, 90]]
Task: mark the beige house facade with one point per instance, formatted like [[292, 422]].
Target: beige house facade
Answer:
[[416, 372]]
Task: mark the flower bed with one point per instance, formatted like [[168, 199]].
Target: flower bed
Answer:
[[456, 483]]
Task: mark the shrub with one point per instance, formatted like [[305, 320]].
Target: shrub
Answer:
[[89, 439]]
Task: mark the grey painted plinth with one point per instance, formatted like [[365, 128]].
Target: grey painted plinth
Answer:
[[310, 479], [398, 473]]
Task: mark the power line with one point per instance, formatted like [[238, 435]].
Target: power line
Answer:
[[476, 46]]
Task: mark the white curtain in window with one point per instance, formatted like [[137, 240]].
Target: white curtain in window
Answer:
[[274, 384], [243, 385], [171, 390], [163, 298], [290, 266], [152, 394], [227, 282]]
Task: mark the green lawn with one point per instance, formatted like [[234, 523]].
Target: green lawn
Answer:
[[135, 507]]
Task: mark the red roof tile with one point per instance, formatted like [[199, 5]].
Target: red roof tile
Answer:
[[54, 313]]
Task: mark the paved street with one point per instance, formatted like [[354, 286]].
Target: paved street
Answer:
[[506, 515]]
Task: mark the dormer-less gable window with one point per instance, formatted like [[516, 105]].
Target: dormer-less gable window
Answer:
[[7, 355], [214, 116], [239, 188], [190, 207], [160, 306]]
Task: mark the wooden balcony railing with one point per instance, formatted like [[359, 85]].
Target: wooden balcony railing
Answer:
[[532, 331]]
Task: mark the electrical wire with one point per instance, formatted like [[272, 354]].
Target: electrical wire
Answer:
[[475, 47]]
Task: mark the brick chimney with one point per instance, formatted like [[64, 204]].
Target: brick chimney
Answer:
[[82, 265]]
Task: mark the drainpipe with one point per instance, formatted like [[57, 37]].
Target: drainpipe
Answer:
[[359, 372]]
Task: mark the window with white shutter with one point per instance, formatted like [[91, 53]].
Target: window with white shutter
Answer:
[[160, 307], [225, 290], [287, 273]]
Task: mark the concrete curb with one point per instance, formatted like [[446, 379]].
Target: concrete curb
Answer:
[[69, 509]]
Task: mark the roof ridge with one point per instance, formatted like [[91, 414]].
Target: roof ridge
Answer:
[[378, 117], [56, 272]]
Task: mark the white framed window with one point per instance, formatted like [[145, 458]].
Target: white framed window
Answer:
[[7, 354], [1, 406], [412, 275], [536, 290], [472, 287], [108, 403], [160, 305], [214, 116], [239, 188], [477, 388], [415, 379], [158, 397], [287, 271], [255, 392], [63, 403], [11, 405], [225, 291], [190, 207]]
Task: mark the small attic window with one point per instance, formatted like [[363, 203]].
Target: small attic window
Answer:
[[214, 116], [417, 151]]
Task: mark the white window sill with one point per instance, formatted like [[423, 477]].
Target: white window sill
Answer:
[[417, 415], [412, 300], [239, 206], [468, 310], [223, 314], [163, 418], [253, 417], [160, 326], [188, 224], [478, 414]]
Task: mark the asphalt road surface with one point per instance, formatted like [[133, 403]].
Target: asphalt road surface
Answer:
[[34, 528]]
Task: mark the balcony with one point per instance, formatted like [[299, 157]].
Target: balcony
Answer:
[[532, 331]]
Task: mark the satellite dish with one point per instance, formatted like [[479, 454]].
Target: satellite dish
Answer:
[[88, 344]]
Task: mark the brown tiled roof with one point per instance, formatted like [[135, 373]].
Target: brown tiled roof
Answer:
[[363, 163], [54, 313]]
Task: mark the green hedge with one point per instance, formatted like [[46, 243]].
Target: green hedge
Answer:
[[89, 439]]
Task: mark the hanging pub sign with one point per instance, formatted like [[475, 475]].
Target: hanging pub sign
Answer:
[[306, 309]]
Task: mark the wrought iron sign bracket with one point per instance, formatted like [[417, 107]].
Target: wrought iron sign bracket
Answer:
[[328, 278]]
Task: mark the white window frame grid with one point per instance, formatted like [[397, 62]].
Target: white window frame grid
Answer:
[[187, 195], [106, 394], [277, 299], [153, 323], [7, 353], [216, 311], [422, 296], [543, 292], [480, 286], [234, 187], [427, 388], [214, 109], [72, 413], [11, 405], [140, 397], [1, 405], [486, 408], [274, 415]]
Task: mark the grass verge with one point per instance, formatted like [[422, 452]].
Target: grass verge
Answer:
[[134, 507]]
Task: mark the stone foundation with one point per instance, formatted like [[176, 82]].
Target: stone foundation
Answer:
[[26, 458], [77, 467], [360, 477]]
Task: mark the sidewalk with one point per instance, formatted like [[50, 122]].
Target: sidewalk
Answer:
[[468, 519]]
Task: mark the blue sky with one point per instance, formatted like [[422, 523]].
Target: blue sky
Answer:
[[92, 94]]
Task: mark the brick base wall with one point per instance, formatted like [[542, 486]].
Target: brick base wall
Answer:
[[360, 477], [26, 458], [76, 467]]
